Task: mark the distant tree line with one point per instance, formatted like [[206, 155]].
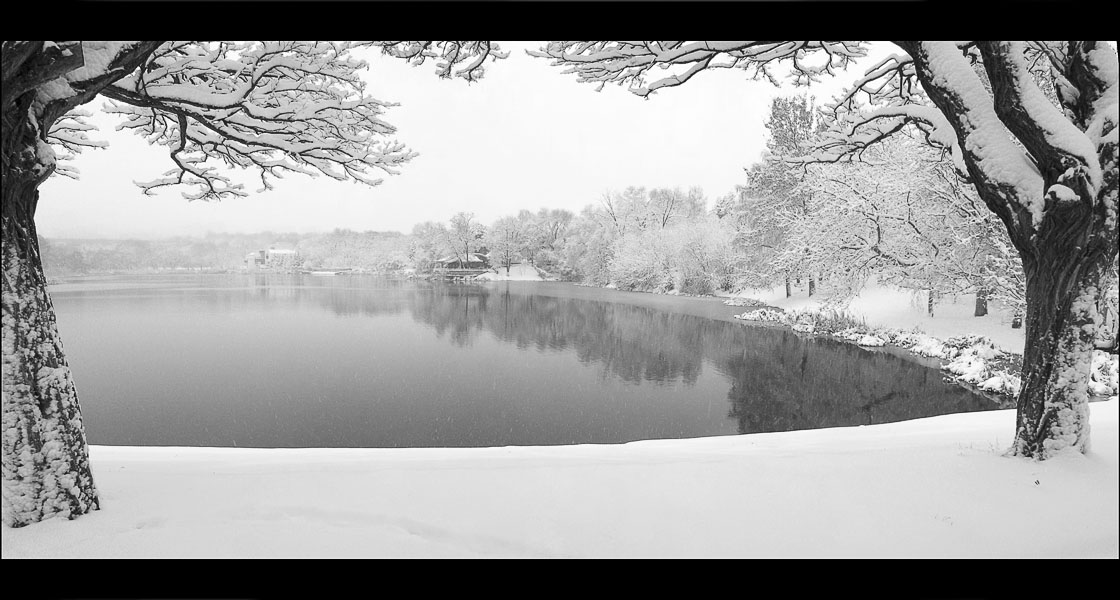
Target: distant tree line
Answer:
[[341, 248], [899, 214]]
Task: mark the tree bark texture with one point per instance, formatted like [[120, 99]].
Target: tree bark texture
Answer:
[[1067, 249], [46, 468], [1063, 285]]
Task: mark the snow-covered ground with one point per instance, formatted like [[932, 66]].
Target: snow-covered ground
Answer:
[[982, 351], [884, 306], [518, 272], [929, 487]]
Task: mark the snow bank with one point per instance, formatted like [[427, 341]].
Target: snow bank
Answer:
[[889, 307], [860, 338], [937, 487], [762, 314], [518, 272], [889, 316]]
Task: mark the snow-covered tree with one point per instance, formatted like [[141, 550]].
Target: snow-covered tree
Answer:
[[427, 244], [505, 239], [898, 214], [464, 236], [589, 246], [549, 234], [1048, 172], [270, 107], [772, 199], [667, 207]]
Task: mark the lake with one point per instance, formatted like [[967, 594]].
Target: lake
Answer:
[[267, 360]]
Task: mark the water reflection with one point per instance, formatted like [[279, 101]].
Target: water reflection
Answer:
[[632, 343], [273, 360], [778, 381]]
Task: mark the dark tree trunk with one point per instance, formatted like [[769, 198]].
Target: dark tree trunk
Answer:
[[930, 302], [1053, 404], [812, 285], [981, 302], [1066, 246], [45, 457], [789, 292]]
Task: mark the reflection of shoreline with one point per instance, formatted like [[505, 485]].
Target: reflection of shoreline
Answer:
[[772, 378], [1000, 400], [779, 380]]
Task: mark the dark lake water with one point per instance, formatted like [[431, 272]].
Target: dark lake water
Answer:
[[352, 361]]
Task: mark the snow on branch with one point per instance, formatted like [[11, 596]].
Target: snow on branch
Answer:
[[998, 164], [980, 102], [645, 67], [70, 133], [1055, 143], [453, 59], [275, 107]]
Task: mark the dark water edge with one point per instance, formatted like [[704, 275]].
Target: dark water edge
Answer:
[[351, 361]]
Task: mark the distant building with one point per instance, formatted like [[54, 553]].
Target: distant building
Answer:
[[273, 259], [254, 261], [473, 261]]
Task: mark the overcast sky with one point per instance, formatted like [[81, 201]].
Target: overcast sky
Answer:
[[525, 136]]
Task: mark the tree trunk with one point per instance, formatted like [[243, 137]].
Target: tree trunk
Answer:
[[812, 285], [788, 291], [981, 302], [1053, 404], [930, 302], [45, 457], [1066, 246]]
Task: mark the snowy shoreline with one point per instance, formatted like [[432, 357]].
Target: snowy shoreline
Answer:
[[934, 487], [989, 367]]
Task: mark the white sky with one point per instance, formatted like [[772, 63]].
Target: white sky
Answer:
[[525, 136]]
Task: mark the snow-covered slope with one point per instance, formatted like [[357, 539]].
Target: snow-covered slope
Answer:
[[929, 487], [885, 306], [518, 272]]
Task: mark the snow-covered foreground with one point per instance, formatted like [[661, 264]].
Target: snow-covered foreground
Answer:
[[930, 487]]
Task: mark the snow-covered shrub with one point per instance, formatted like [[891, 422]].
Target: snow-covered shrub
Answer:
[[1002, 383], [743, 302], [691, 257], [762, 314], [976, 360], [860, 337], [1104, 374]]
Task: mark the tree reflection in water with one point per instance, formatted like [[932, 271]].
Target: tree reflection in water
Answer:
[[779, 381], [275, 360]]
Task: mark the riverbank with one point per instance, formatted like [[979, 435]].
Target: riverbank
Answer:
[[935, 487], [983, 354]]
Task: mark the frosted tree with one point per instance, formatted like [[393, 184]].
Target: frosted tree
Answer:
[[589, 246], [549, 234], [273, 108], [464, 236], [772, 199], [1047, 171], [506, 239], [670, 206], [898, 214], [427, 244]]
